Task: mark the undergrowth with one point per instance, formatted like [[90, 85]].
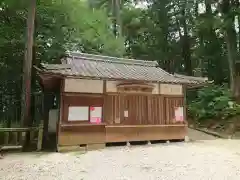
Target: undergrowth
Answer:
[[213, 102]]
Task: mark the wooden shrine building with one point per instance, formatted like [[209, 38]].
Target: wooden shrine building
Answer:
[[106, 99]]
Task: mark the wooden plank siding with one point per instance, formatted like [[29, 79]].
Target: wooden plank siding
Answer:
[[170, 104], [137, 109], [150, 117], [142, 109], [112, 111]]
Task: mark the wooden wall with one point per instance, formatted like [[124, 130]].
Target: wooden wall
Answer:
[[150, 117], [83, 85], [142, 109], [74, 99], [97, 86], [148, 114], [79, 132], [154, 108]]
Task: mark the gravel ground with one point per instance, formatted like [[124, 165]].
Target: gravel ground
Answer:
[[203, 160]]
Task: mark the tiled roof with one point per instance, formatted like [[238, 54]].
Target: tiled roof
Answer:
[[105, 67]]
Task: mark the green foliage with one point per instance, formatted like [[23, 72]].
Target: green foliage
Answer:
[[175, 33], [213, 102], [60, 25], [72, 25]]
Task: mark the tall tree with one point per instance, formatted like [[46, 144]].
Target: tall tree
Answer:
[[27, 66], [59, 26]]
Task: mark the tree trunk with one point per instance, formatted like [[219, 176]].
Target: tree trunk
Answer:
[[231, 62], [230, 38], [186, 53], [34, 87], [116, 7], [27, 66]]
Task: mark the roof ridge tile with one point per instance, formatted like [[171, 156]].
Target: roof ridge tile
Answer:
[[109, 59]]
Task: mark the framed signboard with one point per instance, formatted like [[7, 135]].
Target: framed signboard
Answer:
[[78, 113], [96, 115]]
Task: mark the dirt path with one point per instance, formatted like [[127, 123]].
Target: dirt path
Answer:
[[198, 135], [200, 160]]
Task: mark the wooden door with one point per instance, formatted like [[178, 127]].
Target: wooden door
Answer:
[[135, 109]]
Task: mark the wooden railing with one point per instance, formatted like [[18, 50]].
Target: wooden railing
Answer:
[[11, 138]]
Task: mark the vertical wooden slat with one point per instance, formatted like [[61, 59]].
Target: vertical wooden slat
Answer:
[[111, 119], [167, 109], [118, 98], [159, 112], [113, 106], [146, 109], [143, 112], [40, 137], [140, 109], [170, 104], [20, 138], [23, 137], [163, 110], [130, 110], [136, 100], [126, 108], [154, 110], [159, 118], [185, 104], [6, 138], [122, 98], [128, 120], [32, 133], [104, 111], [15, 137]]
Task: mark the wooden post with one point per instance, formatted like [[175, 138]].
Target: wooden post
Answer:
[[27, 66], [6, 138], [40, 137], [185, 104], [23, 138]]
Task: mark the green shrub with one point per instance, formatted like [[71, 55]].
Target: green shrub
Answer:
[[213, 102]]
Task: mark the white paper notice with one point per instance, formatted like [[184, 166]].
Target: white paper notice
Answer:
[[78, 113], [179, 114], [95, 114], [126, 113]]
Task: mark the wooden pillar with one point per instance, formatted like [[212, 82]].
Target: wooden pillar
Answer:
[[185, 103], [104, 108], [149, 109], [122, 109]]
